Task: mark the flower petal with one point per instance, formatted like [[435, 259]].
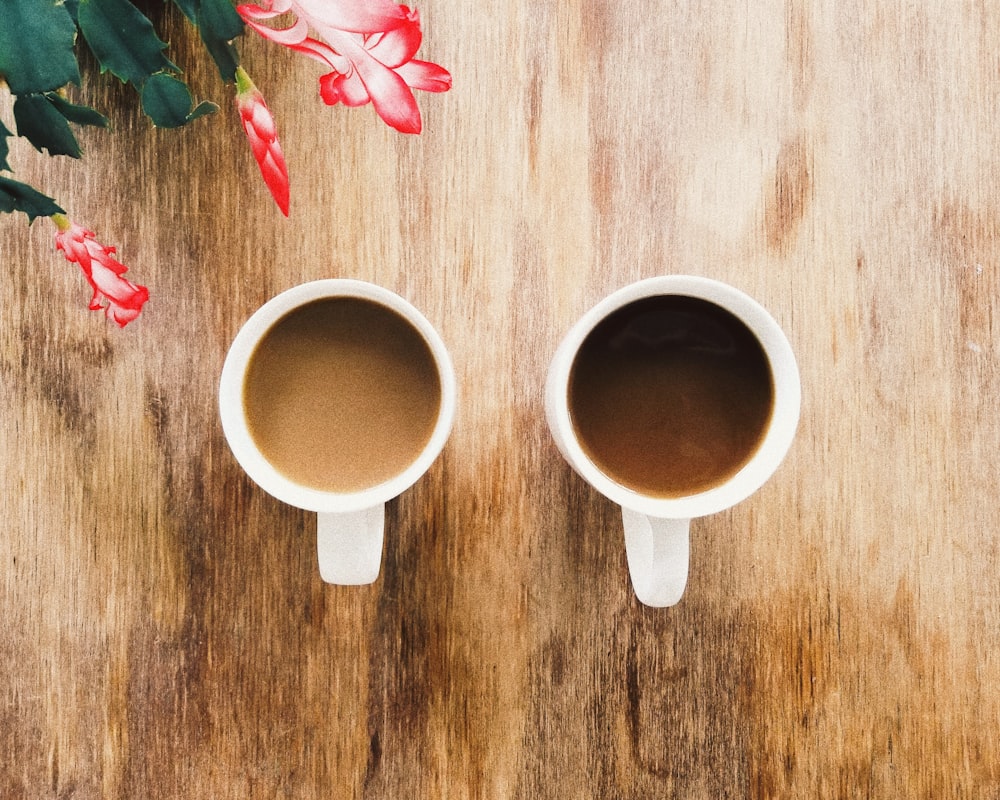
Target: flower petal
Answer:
[[250, 11], [272, 7], [392, 98], [425, 75], [347, 89], [357, 16], [397, 46], [323, 53], [292, 35]]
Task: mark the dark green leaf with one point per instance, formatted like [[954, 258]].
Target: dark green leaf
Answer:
[[189, 8], [81, 115], [122, 39], [17, 196], [222, 18], [40, 123], [167, 101], [223, 53], [203, 108], [72, 6], [4, 147], [219, 24], [36, 46]]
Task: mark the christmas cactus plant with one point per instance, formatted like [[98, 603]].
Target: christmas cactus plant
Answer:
[[366, 47]]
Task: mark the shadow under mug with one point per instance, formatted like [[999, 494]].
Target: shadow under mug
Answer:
[[350, 525], [657, 529]]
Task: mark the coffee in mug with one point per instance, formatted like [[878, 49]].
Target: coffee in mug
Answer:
[[341, 394], [697, 386], [335, 397], [675, 397]]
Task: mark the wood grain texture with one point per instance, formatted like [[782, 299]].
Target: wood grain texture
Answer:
[[165, 631]]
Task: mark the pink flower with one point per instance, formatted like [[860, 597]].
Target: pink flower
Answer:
[[104, 273], [369, 44], [263, 135]]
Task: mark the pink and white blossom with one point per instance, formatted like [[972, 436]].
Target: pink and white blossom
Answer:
[[369, 46]]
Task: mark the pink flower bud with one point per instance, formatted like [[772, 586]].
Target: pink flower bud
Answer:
[[261, 131]]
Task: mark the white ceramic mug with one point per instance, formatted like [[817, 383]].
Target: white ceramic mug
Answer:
[[657, 529], [350, 526]]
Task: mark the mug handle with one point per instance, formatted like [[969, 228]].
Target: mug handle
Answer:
[[658, 552], [349, 545]]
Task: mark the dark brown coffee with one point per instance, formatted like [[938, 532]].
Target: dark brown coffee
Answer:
[[670, 395], [341, 394]]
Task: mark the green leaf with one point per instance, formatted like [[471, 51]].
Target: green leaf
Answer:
[[122, 39], [81, 115], [167, 101], [222, 17], [40, 123], [36, 46], [4, 147], [189, 8], [219, 24], [203, 109], [17, 196]]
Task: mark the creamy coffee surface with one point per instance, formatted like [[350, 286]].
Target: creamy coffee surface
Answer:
[[341, 394], [670, 395]]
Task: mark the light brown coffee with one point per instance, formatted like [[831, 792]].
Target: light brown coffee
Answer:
[[341, 394], [670, 395]]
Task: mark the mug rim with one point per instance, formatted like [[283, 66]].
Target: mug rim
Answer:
[[780, 430], [232, 412]]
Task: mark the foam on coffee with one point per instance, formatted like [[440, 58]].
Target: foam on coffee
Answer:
[[341, 394], [670, 395]]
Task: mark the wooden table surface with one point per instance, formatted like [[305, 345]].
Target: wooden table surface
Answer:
[[165, 630]]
